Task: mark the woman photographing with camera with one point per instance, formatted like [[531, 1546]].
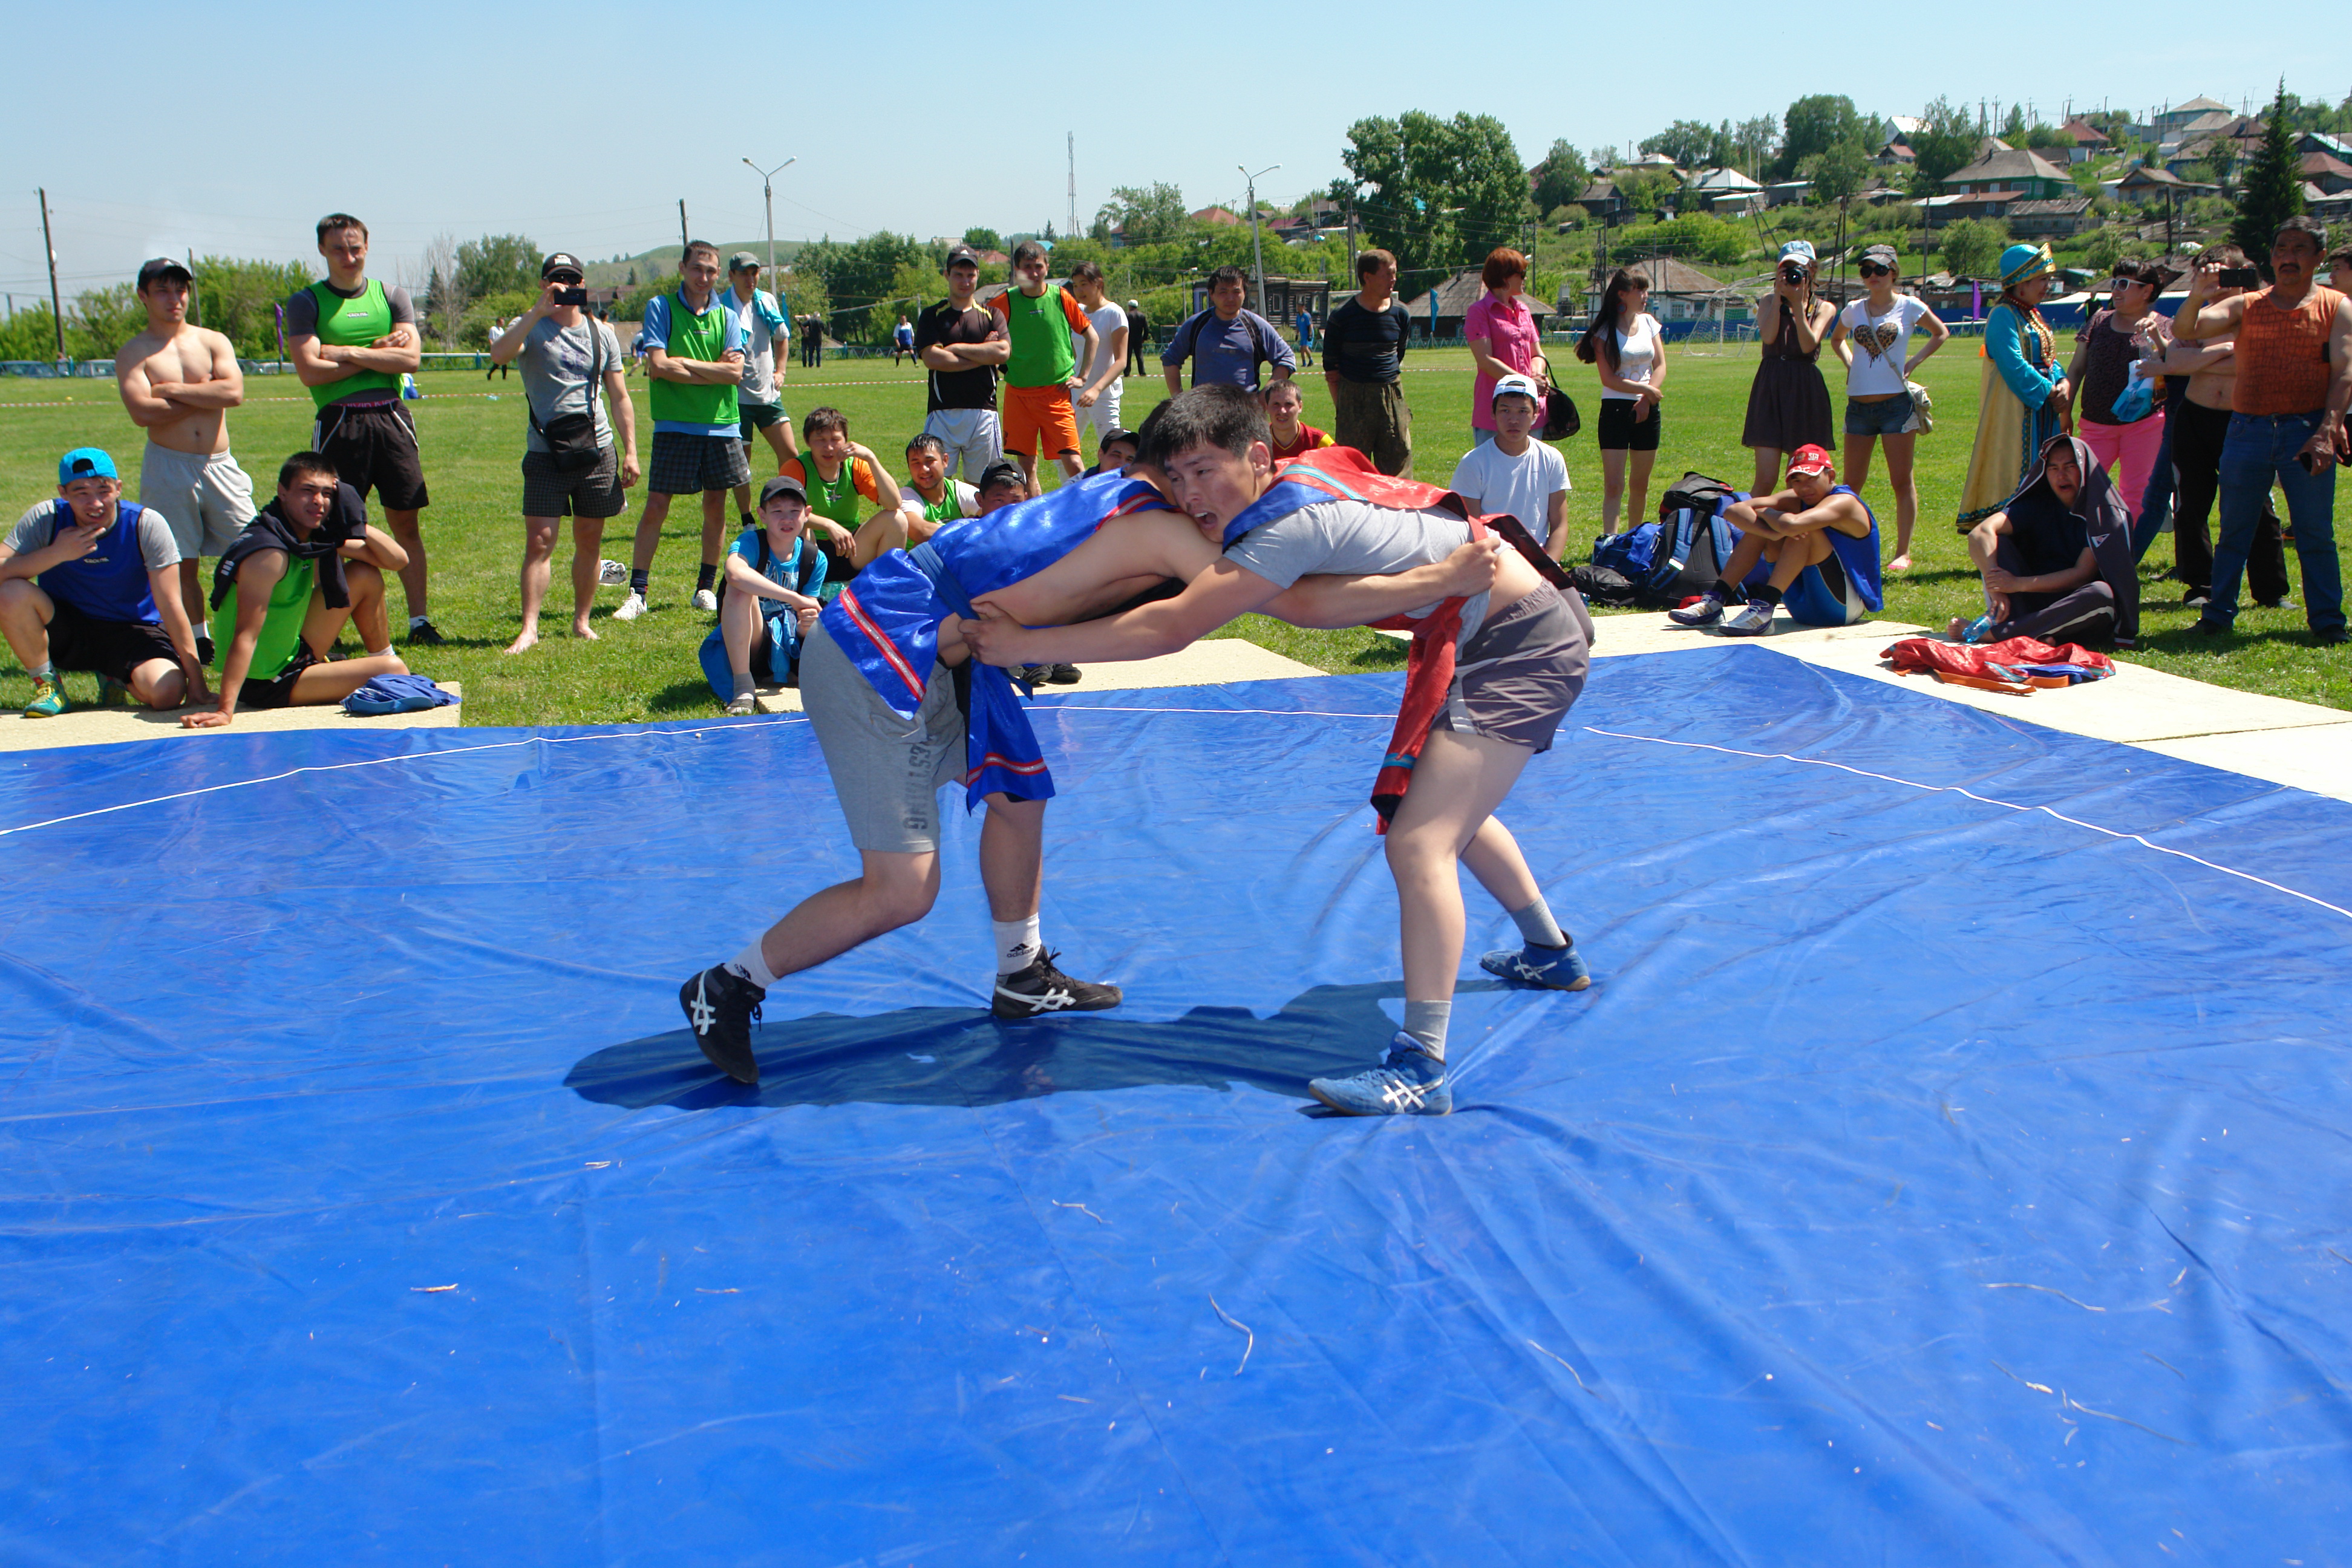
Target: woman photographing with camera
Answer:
[[1873, 339], [1789, 403], [2100, 371], [1626, 345]]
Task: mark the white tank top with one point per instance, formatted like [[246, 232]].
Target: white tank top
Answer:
[[1636, 355]]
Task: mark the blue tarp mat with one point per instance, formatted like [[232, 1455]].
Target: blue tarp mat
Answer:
[[1947, 1165]]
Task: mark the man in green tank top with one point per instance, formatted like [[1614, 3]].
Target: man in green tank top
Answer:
[[351, 340], [271, 620], [694, 357]]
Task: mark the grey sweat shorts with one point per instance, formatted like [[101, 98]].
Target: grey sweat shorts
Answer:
[[886, 770], [1522, 671]]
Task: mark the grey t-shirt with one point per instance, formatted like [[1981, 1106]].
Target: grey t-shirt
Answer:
[[556, 365], [1354, 539], [37, 528]]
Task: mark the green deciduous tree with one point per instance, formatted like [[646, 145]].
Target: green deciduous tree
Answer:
[[1699, 237], [1560, 179], [1753, 142], [1814, 124], [981, 238], [1942, 146], [1436, 193], [1148, 215], [858, 277], [1836, 173], [240, 299], [2274, 188], [1972, 246], [1689, 142], [498, 264]]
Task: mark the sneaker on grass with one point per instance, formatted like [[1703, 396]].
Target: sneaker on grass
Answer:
[[421, 634], [1408, 1082], [1041, 989], [704, 599], [631, 608], [48, 698], [613, 574], [1555, 968], [720, 1006], [1754, 620]]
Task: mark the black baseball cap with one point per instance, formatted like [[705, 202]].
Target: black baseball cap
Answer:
[[1004, 472], [782, 485], [959, 253], [561, 261], [163, 267]]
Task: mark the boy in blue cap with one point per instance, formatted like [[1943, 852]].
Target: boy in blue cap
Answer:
[[90, 581]]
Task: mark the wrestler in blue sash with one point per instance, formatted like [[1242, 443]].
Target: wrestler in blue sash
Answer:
[[888, 622]]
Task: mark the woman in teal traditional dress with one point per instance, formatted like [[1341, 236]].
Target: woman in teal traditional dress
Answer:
[[2022, 397]]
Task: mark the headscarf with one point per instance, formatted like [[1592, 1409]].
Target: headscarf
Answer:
[[2098, 511]]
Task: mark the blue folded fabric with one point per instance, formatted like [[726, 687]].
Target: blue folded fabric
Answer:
[[396, 694]]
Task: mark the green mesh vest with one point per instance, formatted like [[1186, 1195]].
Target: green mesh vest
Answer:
[[353, 323], [702, 337]]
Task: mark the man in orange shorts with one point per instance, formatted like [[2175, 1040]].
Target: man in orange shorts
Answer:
[[1051, 335]]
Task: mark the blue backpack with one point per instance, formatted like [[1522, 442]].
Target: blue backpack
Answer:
[[1682, 553]]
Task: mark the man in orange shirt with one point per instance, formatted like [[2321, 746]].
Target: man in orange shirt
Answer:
[[2294, 356], [1051, 336]]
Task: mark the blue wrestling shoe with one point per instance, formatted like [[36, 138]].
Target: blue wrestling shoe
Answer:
[[1556, 968], [1408, 1082]]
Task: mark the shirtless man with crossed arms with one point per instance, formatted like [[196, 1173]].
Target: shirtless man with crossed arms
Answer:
[[179, 381]]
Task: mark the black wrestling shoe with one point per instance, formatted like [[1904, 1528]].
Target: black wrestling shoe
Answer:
[[424, 634], [1061, 674], [1041, 989], [720, 1006]]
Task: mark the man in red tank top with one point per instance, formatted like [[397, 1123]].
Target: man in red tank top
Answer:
[[2293, 357]]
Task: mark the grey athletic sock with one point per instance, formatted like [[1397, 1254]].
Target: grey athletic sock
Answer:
[[1425, 1022], [1536, 924], [45, 670], [744, 684]]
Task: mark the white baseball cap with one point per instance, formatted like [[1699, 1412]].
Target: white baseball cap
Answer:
[[1525, 385]]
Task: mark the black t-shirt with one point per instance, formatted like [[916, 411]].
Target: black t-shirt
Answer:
[[1362, 345], [943, 324], [2049, 537], [1138, 329]]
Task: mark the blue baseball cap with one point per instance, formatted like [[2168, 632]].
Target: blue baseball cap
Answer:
[[85, 463]]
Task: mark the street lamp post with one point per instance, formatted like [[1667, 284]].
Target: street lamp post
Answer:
[[768, 193], [1257, 252]]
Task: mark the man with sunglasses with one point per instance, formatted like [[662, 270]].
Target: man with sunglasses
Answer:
[[2292, 342]]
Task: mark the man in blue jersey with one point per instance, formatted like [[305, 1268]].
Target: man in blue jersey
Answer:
[[90, 582], [900, 711]]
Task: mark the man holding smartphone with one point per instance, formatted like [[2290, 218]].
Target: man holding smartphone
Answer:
[[570, 467], [2292, 343]]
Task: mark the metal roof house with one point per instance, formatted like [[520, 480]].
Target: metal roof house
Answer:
[[1439, 312]]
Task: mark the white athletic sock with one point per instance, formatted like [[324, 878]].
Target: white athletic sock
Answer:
[[752, 965], [383, 652], [1536, 924], [1425, 1022], [415, 622], [1018, 946]]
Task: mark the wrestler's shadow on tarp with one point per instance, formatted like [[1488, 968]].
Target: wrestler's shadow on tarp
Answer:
[[960, 1056]]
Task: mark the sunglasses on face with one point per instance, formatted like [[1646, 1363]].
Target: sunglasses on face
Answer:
[[2121, 281]]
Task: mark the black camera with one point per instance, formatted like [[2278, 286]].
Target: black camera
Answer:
[[572, 296], [2240, 277], [1792, 273]]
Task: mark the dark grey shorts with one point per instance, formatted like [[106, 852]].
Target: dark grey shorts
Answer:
[[684, 465], [551, 491], [886, 770], [1522, 671]]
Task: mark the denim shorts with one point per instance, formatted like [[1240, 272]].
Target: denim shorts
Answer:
[[1883, 418]]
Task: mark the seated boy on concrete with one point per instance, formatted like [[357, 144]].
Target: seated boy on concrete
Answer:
[[1521, 662], [90, 581], [2039, 557], [768, 598], [284, 588], [1822, 542]]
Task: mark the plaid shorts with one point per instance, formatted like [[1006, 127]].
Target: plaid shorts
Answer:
[[688, 465], [551, 491]]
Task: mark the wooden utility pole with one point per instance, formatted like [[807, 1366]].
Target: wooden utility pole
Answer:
[[682, 241], [195, 303], [56, 306]]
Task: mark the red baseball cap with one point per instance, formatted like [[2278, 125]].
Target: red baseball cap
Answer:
[[1810, 459]]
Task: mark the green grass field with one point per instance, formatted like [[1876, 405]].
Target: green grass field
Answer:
[[472, 436]]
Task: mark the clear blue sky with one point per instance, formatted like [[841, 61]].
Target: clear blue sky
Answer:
[[919, 117]]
